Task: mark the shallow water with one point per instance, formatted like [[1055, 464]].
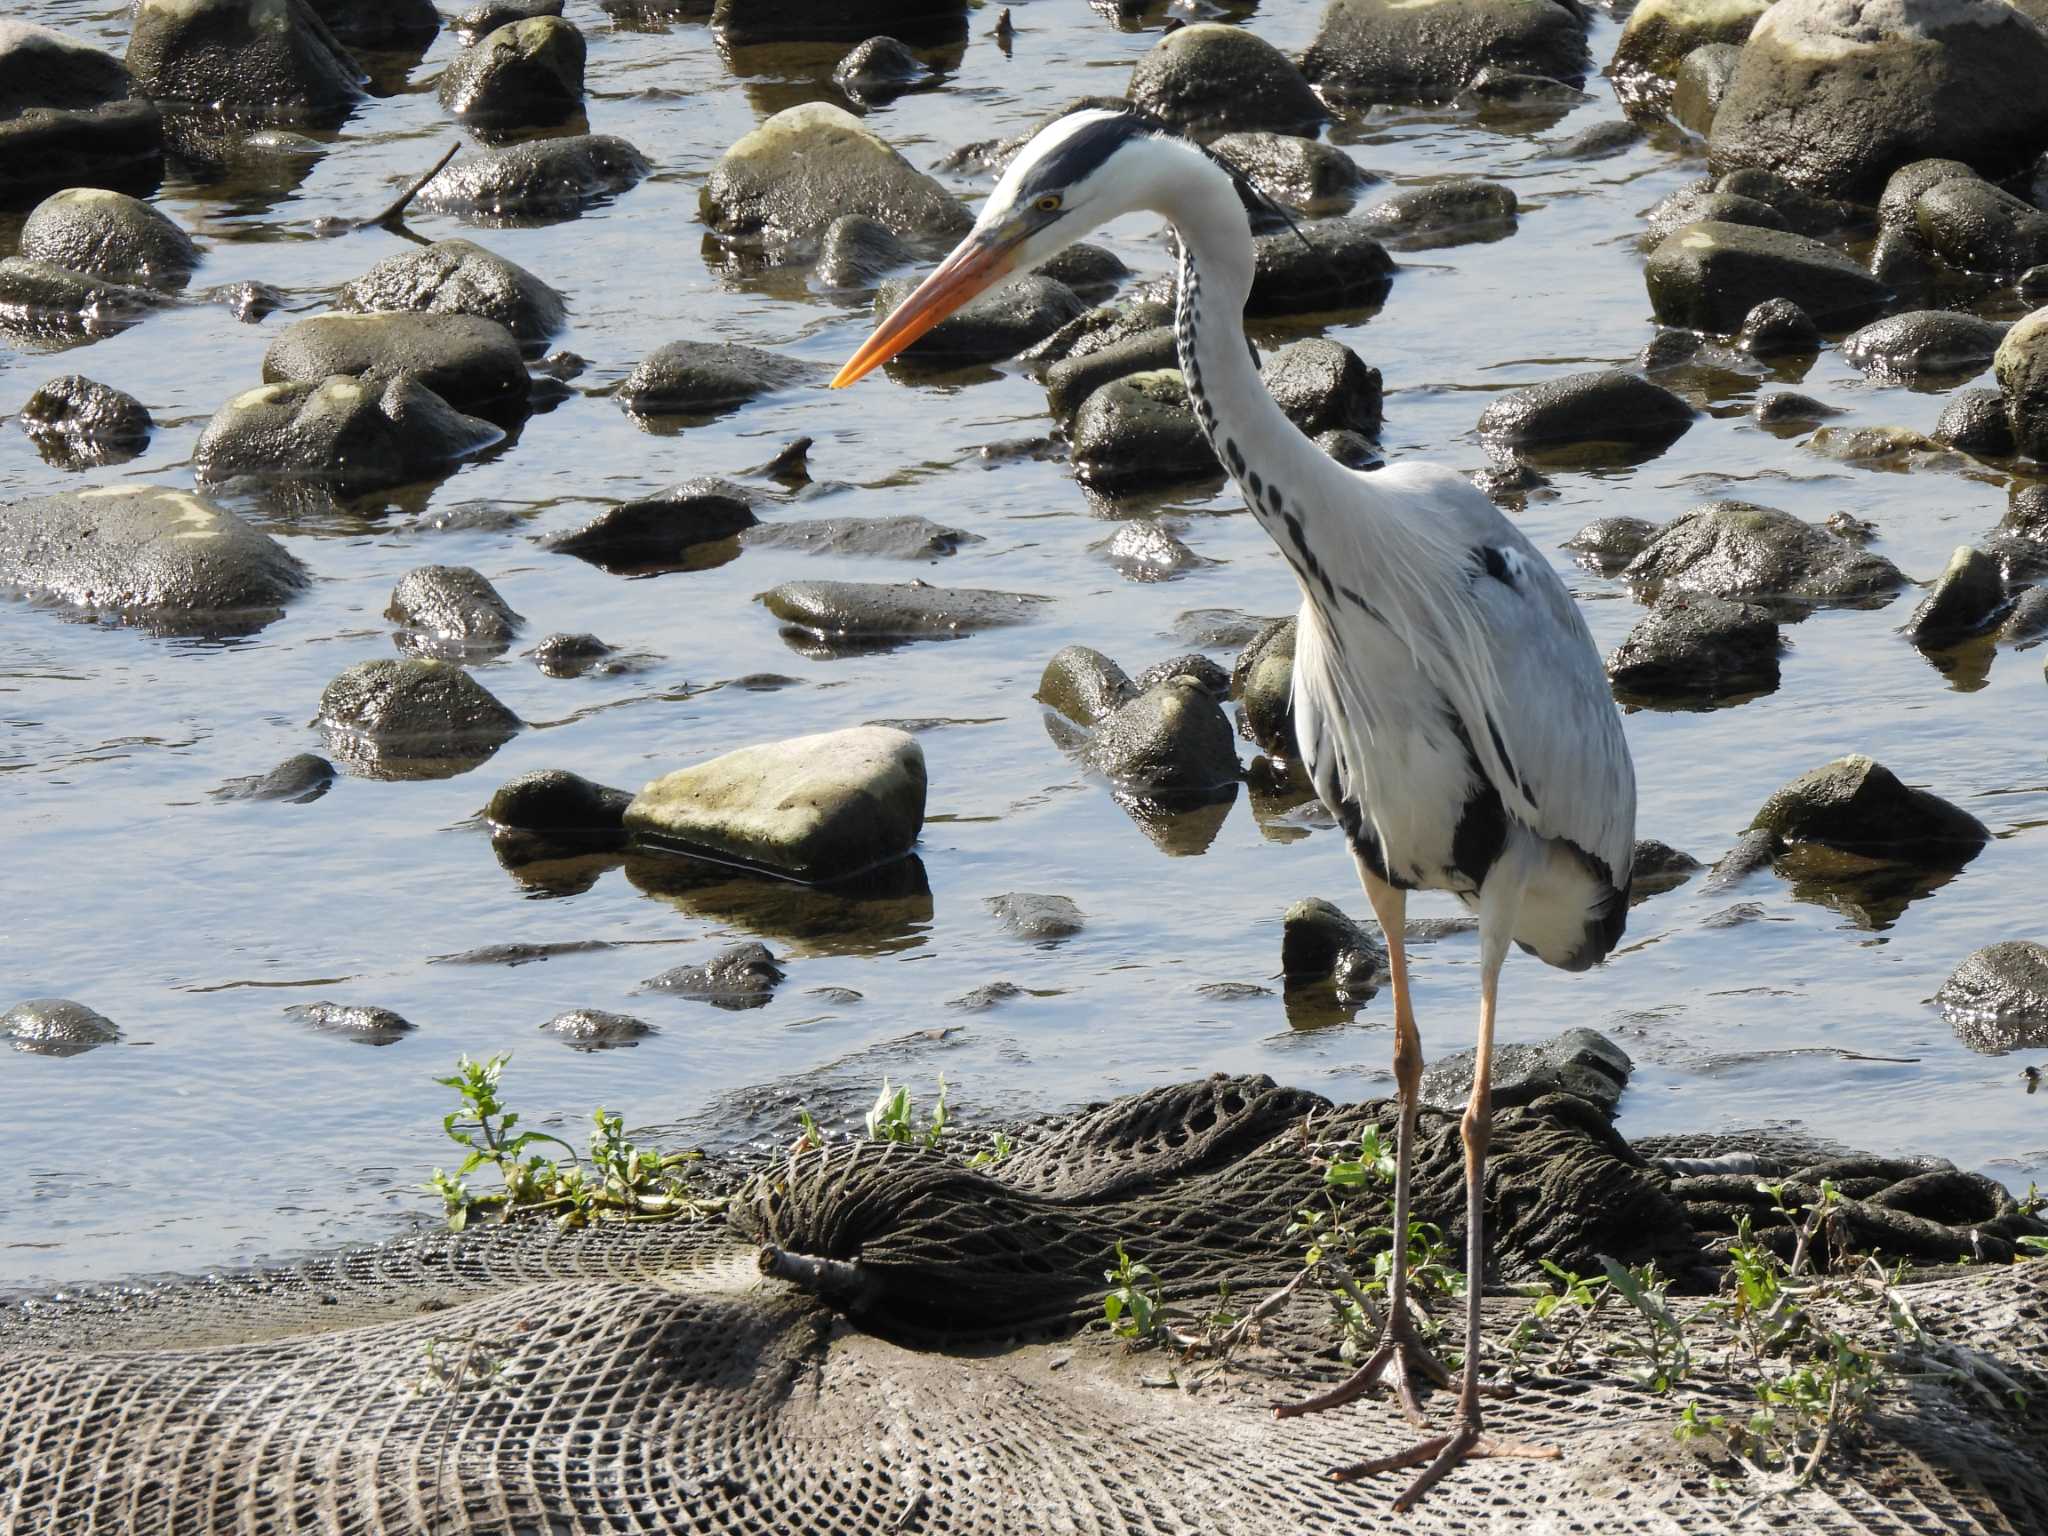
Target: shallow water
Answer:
[[221, 1131]]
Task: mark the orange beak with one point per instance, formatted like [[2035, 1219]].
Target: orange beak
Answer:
[[976, 264]]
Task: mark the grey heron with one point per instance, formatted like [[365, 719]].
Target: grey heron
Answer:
[[1449, 704]]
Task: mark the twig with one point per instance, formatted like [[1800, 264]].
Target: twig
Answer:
[[391, 214]]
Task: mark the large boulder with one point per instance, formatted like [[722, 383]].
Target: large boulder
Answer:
[[1660, 33], [526, 74], [269, 61], [1736, 549], [354, 434], [1708, 277], [814, 808], [2021, 368], [157, 556], [1997, 999], [1208, 78], [470, 362], [110, 235], [1837, 94], [538, 180], [69, 116], [456, 277], [1858, 805], [1369, 51]]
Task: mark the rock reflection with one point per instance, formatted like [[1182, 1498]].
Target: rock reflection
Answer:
[[1871, 893], [884, 911], [1179, 825]]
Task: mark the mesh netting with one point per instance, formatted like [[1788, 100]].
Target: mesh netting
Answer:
[[650, 1379]]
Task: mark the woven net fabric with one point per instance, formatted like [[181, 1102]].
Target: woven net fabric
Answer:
[[650, 1379]]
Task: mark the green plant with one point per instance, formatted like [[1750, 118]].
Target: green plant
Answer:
[[1374, 1164], [995, 1154], [1561, 1311], [1658, 1346], [891, 1118], [2032, 1244], [1132, 1306]]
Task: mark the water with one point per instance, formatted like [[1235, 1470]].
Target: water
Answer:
[[220, 1131]]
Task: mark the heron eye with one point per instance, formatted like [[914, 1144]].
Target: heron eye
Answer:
[[1049, 203]]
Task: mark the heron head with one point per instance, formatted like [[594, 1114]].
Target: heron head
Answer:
[[1074, 175]]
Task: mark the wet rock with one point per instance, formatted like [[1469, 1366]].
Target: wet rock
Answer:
[[1701, 83], [1092, 271], [1084, 685], [1372, 51], [453, 612], [356, 435], [1997, 999], [1977, 227], [1148, 552], [1778, 328], [593, 1029], [655, 533], [1039, 918], [1890, 447], [1602, 141], [158, 556], [1335, 264], [539, 180], [359, 1022], [525, 74], [1694, 648], [1441, 213], [1751, 852], [2032, 284], [1923, 341], [2021, 368], [856, 251], [1140, 430], [1660, 34], [1324, 386], [69, 117], [814, 808], [470, 362], [1208, 79], [1199, 670], [1968, 599], [1585, 414], [413, 718], [1351, 449], [1974, 421], [1805, 213], [878, 69], [992, 326], [864, 610], [40, 299], [2028, 622], [1709, 275], [986, 996], [1104, 326], [269, 61], [786, 181], [1318, 942], [1173, 738], [109, 235], [1785, 407], [1297, 173], [1903, 261], [1858, 805], [1655, 868], [559, 808], [389, 25], [1263, 681], [460, 278], [56, 1026], [702, 378], [1703, 204], [1897, 204], [1739, 549], [571, 655], [1074, 378], [298, 780], [2027, 516], [739, 977], [76, 422], [1607, 544], [489, 15], [1836, 94], [905, 537], [1581, 1062], [846, 21]]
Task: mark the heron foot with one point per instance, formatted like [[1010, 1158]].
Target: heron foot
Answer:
[[1442, 1453], [1400, 1358]]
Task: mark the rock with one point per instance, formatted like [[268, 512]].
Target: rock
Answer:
[[656, 533], [1691, 647], [814, 808], [1890, 447], [298, 780], [592, 1029], [904, 537], [1582, 1062], [470, 362], [1324, 386], [2032, 284], [153, 555], [1778, 328], [786, 181], [1701, 83], [1585, 414], [1602, 141], [1084, 685], [1660, 34], [380, 25], [69, 117], [1298, 173], [1923, 341], [1072, 379], [1858, 805], [738, 977], [878, 69], [705, 378], [41, 300], [740, 22], [992, 326], [56, 1026], [2028, 622], [1897, 205], [1977, 227], [566, 655], [1785, 407], [1208, 79], [1263, 681], [270, 61], [2027, 516], [357, 435], [1372, 51], [413, 719], [1709, 275], [984, 997], [1339, 266], [1318, 942], [1458, 211], [1974, 422], [1997, 999], [455, 277], [76, 422], [1739, 549], [861, 610], [1171, 739], [1607, 544], [1655, 868], [526, 74], [1351, 449], [1702, 204], [109, 235], [1140, 430], [542, 179], [452, 612], [2021, 368], [359, 1022], [1837, 94], [1044, 920], [1968, 599], [1804, 213], [489, 15], [1092, 271], [1199, 670], [560, 807], [1903, 262], [856, 251], [1147, 552], [1104, 326]]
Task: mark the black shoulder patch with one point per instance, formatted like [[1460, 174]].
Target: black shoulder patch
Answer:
[[1490, 560]]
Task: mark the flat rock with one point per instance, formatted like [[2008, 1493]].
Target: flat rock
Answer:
[[1083, 685], [299, 780], [526, 74], [539, 180], [1859, 805], [461, 278], [472, 363], [903, 537], [1208, 79], [654, 533], [1737, 549], [1040, 918], [1582, 1062], [76, 422], [360, 1022], [2021, 368], [69, 116], [702, 378], [453, 612], [1997, 999], [1174, 738], [413, 718], [154, 555], [108, 235], [1693, 648], [896, 611], [355, 435], [1298, 173], [1585, 414], [56, 1026], [1372, 51], [814, 808], [269, 61], [1968, 599], [1708, 276], [593, 1029], [992, 326]]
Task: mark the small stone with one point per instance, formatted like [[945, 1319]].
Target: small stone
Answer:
[[1084, 685], [592, 1029], [1607, 544], [1207, 79], [856, 251], [985, 996], [1340, 266], [1897, 204], [1977, 227], [878, 69], [567, 655], [77, 423], [1148, 552], [1298, 173], [1263, 680], [1997, 999], [452, 611], [1042, 919], [1691, 647], [1586, 415], [1778, 328], [413, 719], [109, 235], [39, 300], [1737, 549], [298, 780], [526, 74], [458, 277], [1804, 212], [903, 537], [1324, 386], [740, 977], [542, 179], [362, 1023], [992, 326], [1703, 203], [560, 805], [358, 435], [1199, 670], [2021, 368], [1656, 867], [56, 1026], [1968, 599], [1174, 738], [1701, 84], [1785, 407], [1582, 1062], [1859, 805], [1071, 380], [706, 378], [1974, 421], [656, 533], [884, 611], [2028, 621], [1319, 942], [489, 15]]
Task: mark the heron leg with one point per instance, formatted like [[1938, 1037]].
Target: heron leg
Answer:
[[1467, 1439], [1401, 1355]]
